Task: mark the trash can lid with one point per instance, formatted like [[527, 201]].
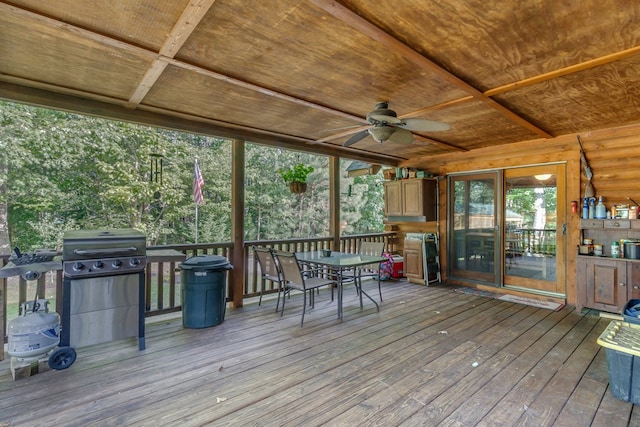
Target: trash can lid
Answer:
[[206, 262]]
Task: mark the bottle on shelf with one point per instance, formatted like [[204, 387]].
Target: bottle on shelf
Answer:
[[601, 210], [592, 207], [585, 208]]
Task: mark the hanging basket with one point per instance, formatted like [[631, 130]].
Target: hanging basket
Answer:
[[298, 187]]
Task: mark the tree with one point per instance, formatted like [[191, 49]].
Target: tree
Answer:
[[64, 171]]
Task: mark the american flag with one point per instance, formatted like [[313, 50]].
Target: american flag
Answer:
[[198, 183]]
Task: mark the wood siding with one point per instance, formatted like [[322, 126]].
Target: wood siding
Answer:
[[613, 154]]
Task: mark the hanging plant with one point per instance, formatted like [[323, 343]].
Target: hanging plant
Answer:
[[296, 177]]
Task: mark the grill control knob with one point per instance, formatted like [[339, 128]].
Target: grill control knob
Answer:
[[98, 265], [116, 263], [78, 266], [134, 261]]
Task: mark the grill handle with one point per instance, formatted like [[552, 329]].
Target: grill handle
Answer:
[[108, 251]]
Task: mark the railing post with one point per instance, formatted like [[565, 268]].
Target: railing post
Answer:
[[236, 275], [334, 201]]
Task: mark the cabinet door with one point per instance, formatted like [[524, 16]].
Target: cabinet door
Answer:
[[393, 198], [413, 266], [633, 280], [419, 198], [412, 200], [582, 265], [606, 287]]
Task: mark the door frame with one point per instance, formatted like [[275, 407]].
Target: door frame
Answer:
[[493, 278], [561, 231], [543, 287]]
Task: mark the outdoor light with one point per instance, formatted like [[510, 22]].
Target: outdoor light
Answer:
[[543, 177]]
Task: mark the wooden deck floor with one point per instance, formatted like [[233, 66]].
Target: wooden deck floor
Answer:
[[411, 364]]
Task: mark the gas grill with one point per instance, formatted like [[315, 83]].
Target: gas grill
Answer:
[[95, 253], [103, 286]]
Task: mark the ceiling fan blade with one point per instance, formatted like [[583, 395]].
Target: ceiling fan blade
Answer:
[[401, 136], [424, 125], [356, 137]]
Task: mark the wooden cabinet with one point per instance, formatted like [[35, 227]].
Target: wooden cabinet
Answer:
[[414, 198], [604, 283], [633, 280], [393, 198], [413, 260]]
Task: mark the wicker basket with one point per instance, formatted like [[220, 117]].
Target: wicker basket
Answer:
[[298, 187]]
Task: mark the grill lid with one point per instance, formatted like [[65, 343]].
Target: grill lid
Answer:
[[103, 243]]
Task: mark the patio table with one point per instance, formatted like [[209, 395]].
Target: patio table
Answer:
[[339, 262]]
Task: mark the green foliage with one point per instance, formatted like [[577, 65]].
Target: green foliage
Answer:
[[362, 208], [296, 173], [64, 171], [271, 210]]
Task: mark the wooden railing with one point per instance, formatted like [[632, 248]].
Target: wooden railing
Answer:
[[254, 283], [163, 272], [535, 240]]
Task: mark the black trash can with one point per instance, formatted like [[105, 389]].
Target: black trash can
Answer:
[[204, 282]]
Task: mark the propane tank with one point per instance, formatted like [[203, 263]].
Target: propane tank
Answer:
[[35, 332]]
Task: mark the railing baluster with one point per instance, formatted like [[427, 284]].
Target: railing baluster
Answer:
[[156, 276]]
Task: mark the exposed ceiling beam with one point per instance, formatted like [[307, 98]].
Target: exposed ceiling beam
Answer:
[[172, 120], [606, 59], [77, 31], [359, 23], [426, 110], [261, 89], [150, 78], [151, 55], [231, 130], [188, 21], [439, 143]]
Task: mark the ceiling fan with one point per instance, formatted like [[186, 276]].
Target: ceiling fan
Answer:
[[386, 126]]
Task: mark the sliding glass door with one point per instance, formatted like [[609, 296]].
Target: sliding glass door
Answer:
[[474, 232], [507, 228], [534, 249]]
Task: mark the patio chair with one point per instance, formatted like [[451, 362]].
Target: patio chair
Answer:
[[270, 271], [294, 278], [369, 270]]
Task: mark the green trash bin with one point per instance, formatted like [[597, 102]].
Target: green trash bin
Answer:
[[204, 282]]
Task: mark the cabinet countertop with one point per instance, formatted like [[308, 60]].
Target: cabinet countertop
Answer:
[[607, 257]]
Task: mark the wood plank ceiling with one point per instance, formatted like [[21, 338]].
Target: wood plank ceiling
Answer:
[[304, 73]]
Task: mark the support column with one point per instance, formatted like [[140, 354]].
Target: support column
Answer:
[[237, 274], [334, 201]]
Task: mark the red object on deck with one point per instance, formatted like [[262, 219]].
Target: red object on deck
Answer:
[[398, 267]]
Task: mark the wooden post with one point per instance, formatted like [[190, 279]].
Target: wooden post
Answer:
[[334, 201], [236, 275]]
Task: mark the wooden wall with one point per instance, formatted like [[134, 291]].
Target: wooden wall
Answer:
[[613, 154]]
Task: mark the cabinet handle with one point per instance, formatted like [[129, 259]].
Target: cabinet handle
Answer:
[[616, 224], [620, 284], [636, 287]]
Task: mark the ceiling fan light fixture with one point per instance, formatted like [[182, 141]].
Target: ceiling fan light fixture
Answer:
[[386, 126], [381, 133]]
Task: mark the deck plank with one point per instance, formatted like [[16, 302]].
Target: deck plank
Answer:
[[409, 364], [529, 348], [545, 409], [565, 338]]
